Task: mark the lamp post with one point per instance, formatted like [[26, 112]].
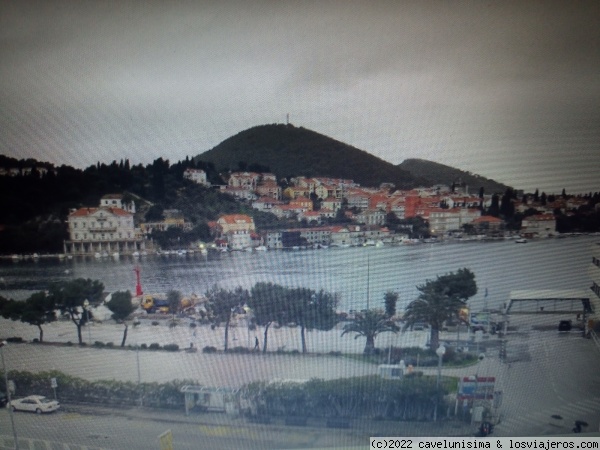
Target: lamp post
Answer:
[[440, 352], [10, 410], [86, 305], [139, 374]]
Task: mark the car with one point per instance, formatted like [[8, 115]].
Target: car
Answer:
[[3, 400], [564, 326], [35, 403]]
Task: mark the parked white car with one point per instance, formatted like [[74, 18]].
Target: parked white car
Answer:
[[35, 403]]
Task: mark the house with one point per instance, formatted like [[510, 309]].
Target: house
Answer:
[[235, 222], [100, 230], [240, 193], [371, 217], [265, 204], [488, 225], [197, 176], [269, 189], [245, 180], [302, 203], [331, 203], [539, 225], [237, 229], [116, 201]]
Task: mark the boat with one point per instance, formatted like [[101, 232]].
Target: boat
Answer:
[[521, 241], [261, 248]]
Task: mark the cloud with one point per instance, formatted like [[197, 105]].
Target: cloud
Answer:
[[475, 85]]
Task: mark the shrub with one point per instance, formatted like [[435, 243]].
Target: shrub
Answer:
[[171, 347], [110, 344], [155, 322], [172, 324], [69, 343], [35, 341], [335, 353], [144, 346], [239, 350], [98, 344], [193, 325], [136, 323], [209, 349], [154, 346], [15, 340], [83, 344]]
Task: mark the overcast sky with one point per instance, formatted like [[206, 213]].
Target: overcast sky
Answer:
[[509, 90]]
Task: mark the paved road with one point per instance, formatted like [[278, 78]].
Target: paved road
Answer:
[[134, 429], [559, 375]]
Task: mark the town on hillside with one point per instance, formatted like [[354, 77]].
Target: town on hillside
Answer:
[[328, 212]]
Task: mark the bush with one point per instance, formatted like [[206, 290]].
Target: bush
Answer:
[[15, 340], [144, 346], [239, 350], [172, 324], [98, 344], [83, 344], [154, 346], [209, 349], [35, 341], [171, 347], [110, 344], [193, 325]]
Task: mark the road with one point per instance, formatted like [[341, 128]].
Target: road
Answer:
[[138, 429], [554, 375]]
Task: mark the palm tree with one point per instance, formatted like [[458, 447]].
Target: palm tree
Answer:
[[440, 300], [369, 324]]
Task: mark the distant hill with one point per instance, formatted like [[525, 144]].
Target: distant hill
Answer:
[[443, 174], [287, 151]]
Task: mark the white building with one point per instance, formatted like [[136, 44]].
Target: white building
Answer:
[[196, 175], [540, 225], [99, 230]]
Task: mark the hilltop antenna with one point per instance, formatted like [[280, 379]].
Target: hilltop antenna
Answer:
[[287, 118]]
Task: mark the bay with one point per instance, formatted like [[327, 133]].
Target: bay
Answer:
[[360, 276]]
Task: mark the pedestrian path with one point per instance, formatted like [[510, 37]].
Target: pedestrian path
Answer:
[[556, 421]]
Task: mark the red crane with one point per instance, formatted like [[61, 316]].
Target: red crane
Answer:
[[138, 286]]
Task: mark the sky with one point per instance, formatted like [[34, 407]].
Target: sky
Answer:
[[509, 90]]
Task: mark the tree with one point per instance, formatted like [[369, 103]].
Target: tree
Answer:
[[69, 297], [223, 303], [121, 307], [440, 300], [312, 310], [38, 310], [174, 299], [369, 324], [390, 299], [268, 302]]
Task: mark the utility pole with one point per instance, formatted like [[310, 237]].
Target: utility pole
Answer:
[[10, 409]]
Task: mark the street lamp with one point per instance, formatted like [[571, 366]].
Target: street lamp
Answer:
[[139, 374], [10, 410], [440, 352], [86, 305]]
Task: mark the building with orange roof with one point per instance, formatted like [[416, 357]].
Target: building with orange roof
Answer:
[[539, 225], [102, 230]]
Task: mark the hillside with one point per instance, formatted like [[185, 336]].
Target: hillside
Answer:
[[288, 151], [443, 174]]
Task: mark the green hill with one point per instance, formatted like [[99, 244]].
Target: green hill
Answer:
[[442, 174], [286, 151]]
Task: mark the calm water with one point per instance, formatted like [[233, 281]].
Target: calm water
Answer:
[[358, 275]]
